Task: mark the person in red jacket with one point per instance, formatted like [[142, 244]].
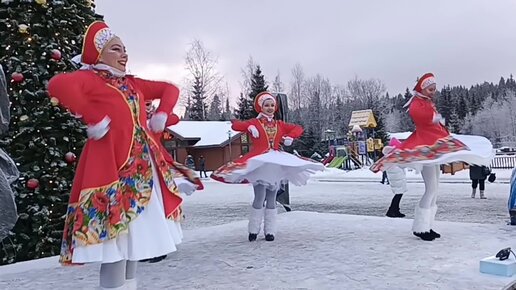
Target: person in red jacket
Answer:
[[124, 205], [430, 145], [266, 166]]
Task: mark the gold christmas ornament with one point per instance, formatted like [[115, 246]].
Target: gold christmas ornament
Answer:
[[41, 2], [54, 101], [24, 118], [23, 28]]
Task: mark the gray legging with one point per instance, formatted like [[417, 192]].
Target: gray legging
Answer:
[[261, 194], [113, 275]]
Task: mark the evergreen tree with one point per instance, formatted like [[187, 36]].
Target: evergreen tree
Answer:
[[340, 125], [245, 109], [258, 85], [38, 40], [187, 109], [215, 112], [227, 111], [379, 131], [198, 108], [244, 105], [405, 122]]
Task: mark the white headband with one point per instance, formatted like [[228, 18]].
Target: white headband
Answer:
[[102, 37], [265, 97], [428, 82]]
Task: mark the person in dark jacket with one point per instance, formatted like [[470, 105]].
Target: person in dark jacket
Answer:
[[478, 175], [202, 166]]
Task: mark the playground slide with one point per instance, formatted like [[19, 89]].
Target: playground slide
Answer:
[[337, 162], [328, 159], [333, 162], [356, 161]]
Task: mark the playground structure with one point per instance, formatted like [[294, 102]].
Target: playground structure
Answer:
[[359, 148], [343, 158]]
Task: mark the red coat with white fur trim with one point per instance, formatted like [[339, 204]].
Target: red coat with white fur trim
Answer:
[[113, 180], [88, 95], [261, 144], [422, 111]]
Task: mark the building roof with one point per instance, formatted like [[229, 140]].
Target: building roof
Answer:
[[363, 119], [206, 133]]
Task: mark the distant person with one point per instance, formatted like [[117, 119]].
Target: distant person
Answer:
[[398, 182], [202, 166], [190, 162], [478, 175]]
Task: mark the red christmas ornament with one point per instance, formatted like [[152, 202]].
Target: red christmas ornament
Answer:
[[32, 183], [17, 77], [55, 54], [70, 157]]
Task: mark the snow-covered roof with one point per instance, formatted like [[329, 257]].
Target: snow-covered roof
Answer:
[[209, 133]]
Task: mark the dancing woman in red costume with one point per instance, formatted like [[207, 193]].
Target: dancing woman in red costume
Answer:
[[124, 205], [266, 166], [430, 145]]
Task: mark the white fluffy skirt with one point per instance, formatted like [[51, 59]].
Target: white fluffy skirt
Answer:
[[481, 153], [150, 235], [273, 168]]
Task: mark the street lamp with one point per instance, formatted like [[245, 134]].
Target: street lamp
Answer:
[[229, 142]]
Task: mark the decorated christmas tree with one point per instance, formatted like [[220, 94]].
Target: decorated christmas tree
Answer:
[[38, 40]]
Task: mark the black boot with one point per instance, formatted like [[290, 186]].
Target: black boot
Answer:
[[252, 237], [426, 236], [157, 259], [269, 237], [394, 209], [436, 234], [512, 213]]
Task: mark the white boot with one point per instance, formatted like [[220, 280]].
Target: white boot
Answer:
[[422, 223], [270, 223], [434, 211], [131, 284], [255, 220], [473, 192], [482, 196]]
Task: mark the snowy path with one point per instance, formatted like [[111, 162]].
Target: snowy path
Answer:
[[312, 251], [222, 203]]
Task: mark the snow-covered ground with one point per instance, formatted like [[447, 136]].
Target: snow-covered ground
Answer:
[[356, 249], [333, 174]]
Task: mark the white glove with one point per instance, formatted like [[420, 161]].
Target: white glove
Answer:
[[287, 141], [98, 130], [254, 132], [185, 186], [438, 119], [157, 122]]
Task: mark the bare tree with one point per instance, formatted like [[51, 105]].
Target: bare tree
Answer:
[[297, 96], [494, 121], [367, 92], [247, 74], [201, 65], [277, 85]]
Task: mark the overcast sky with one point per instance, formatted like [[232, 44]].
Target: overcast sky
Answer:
[[462, 41]]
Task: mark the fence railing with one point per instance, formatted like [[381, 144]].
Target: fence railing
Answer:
[[504, 162]]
